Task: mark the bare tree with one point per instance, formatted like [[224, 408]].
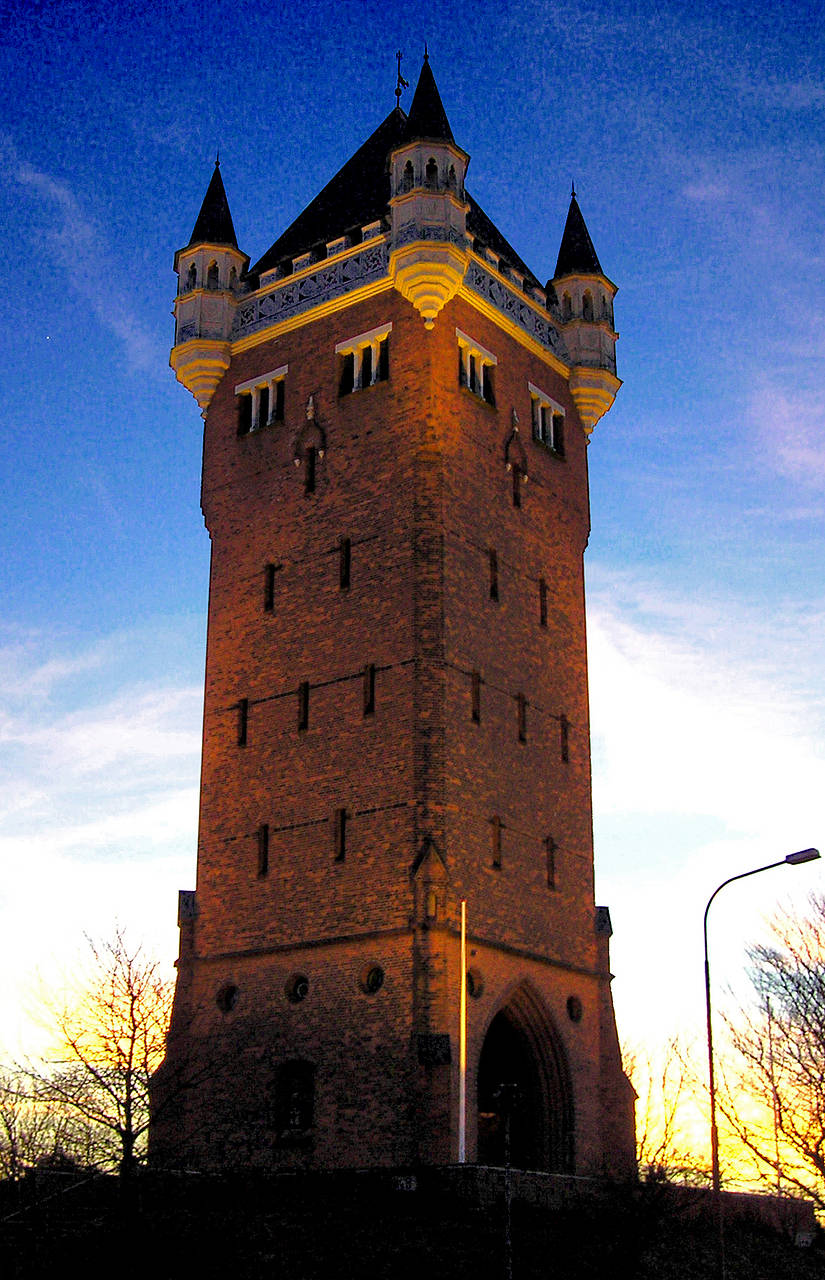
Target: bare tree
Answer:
[[774, 1099], [112, 1039], [664, 1089]]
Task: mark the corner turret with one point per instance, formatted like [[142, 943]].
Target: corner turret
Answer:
[[428, 245], [209, 273], [584, 308]]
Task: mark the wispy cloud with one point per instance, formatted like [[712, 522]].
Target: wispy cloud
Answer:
[[789, 425], [709, 758], [79, 246], [98, 804]]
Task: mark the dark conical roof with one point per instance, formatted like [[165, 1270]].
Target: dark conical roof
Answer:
[[577, 257], [427, 118], [359, 193], [214, 222]]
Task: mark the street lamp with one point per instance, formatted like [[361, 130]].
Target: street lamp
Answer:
[[792, 860]]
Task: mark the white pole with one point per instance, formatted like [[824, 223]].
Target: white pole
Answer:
[[462, 1042]]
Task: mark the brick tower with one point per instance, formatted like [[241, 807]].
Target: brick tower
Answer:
[[396, 718]]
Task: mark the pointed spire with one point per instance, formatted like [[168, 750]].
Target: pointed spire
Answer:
[[214, 223], [577, 257], [427, 118]]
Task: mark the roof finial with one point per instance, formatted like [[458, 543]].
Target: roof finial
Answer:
[[572, 189], [217, 159], [426, 54], [401, 83]]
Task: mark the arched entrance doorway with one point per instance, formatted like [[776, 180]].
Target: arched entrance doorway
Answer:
[[523, 1083]]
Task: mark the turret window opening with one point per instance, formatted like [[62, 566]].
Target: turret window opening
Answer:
[[364, 360], [408, 177], [587, 305], [475, 368], [192, 277], [212, 275], [547, 419], [452, 181], [566, 307], [431, 173], [261, 401]]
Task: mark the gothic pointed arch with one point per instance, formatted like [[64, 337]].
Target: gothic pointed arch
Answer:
[[523, 1084]]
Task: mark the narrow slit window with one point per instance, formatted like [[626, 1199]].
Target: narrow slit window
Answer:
[[475, 697], [493, 575], [521, 713], [550, 848], [366, 367], [495, 829], [383, 371], [309, 469], [344, 563], [303, 705], [263, 849], [542, 603], [263, 406], [244, 414], [269, 587], [340, 835], [517, 478], [278, 407], [369, 689], [347, 381], [564, 738], [243, 721]]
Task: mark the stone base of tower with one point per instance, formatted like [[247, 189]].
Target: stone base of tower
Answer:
[[362, 1070]]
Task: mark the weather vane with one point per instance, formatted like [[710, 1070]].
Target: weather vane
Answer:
[[401, 82]]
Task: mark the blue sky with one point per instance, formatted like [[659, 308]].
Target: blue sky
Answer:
[[694, 134]]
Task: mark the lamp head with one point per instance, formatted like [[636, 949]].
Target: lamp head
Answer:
[[804, 855]]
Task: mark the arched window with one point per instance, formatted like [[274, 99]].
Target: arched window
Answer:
[[431, 173], [233, 278], [587, 305], [451, 178], [294, 1097], [566, 307], [212, 275], [408, 177], [192, 277]]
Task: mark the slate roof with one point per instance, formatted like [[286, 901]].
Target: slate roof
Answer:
[[358, 194], [427, 118], [214, 222], [360, 191], [577, 257]]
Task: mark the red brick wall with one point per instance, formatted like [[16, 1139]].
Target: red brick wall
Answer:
[[414, 474]]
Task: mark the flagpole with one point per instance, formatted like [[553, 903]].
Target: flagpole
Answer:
[[462, 1042]]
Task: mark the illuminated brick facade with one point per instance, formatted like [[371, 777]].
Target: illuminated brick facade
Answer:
[[396, 716]]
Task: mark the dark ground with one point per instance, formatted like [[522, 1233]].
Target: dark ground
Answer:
[[362, 1226]]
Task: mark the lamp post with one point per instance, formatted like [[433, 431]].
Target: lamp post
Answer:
[[792, 860]]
